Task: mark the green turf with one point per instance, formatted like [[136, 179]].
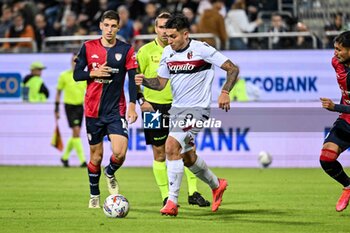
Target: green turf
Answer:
[[54, 199]]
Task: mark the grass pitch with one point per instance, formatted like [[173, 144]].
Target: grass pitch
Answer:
[[54, 199]]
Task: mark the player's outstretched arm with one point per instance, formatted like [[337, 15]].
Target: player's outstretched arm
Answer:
[[231, 77], [157, 83], [342, 108], [327, 104], [331, 106]]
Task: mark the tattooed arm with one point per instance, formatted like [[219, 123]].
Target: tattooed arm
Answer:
[[231, 78], [157, 83], [231, 75]]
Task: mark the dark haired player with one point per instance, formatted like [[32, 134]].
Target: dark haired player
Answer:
[[338, 140], [148, 58], [189, 66], [108, 60]]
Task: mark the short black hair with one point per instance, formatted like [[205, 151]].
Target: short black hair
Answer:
[[110, 15], [343, 39], [178, 22]]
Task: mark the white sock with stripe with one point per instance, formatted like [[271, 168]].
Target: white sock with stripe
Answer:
[[175, 173], [201, 170]]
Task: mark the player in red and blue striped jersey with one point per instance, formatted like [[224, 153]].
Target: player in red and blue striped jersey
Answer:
[[108, 60], [338, 140]]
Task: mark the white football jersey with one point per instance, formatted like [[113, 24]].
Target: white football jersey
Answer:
[[191, 73]]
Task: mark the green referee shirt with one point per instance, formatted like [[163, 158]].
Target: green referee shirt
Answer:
[[34, 85], [73, 91], [148, 58]]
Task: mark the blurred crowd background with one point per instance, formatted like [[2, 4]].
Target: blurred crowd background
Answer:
[[61, 25]]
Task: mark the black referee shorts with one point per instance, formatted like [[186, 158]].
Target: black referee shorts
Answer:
[[157, 137], [74, 114]]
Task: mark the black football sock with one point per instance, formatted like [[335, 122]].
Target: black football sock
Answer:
[[94, 178], [113, 165], [335, 170]]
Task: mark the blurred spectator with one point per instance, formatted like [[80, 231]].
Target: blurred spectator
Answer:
[[19, 29], [303, 42], [95, 23], [136, 8], [255, 6], [211, 21], [148, 19], [87, 12], [34, 89], [81, 31], [277, 26], [237, 22], [73, 46], [42, 30], [137, 31], [70, 26], [336, 25], [189, 14], [205, 5], [27, 9], [5, 20], [62, 11], [126, 25], [181, 4], [137, 27], [42, 5]]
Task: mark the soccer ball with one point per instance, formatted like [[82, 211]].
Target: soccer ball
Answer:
[[265, 159], [116, 206]]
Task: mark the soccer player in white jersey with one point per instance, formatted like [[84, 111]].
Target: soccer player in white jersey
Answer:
[[189, 66]]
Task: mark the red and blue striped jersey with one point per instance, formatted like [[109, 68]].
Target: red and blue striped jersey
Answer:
[[105, 96], [343, 78]]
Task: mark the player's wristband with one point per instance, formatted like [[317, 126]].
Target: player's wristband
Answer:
[[225, 92], [139, 95], [57, 106], [140, 98], [141, 101]]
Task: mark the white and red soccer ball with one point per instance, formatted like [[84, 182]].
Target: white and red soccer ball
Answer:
[[116, 206]]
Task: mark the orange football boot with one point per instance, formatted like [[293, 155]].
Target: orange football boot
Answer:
[[170, 209], [343, 200], [217, 194]]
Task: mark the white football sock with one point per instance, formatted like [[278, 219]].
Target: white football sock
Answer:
[[201, 170], [175, 173]]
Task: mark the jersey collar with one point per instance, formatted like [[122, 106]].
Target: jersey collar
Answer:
[[184, 49]]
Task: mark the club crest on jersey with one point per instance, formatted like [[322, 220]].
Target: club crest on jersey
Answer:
[[118, 56], [190, 55]]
